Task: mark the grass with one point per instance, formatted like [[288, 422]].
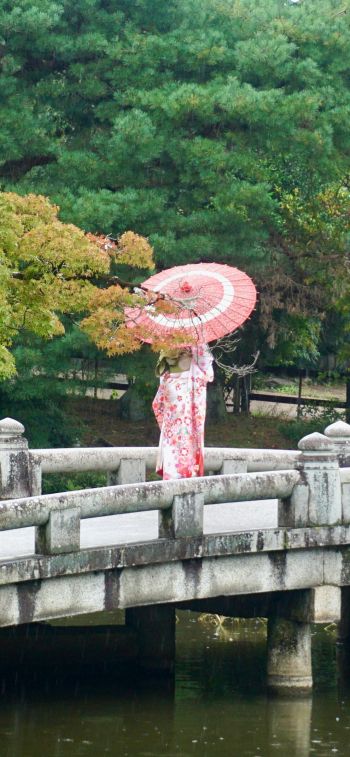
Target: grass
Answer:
[[102, 425], [265, 429]]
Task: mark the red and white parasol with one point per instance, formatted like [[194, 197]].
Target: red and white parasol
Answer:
[[210, 300]]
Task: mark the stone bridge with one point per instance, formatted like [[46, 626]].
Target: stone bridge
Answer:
[[294, 574]]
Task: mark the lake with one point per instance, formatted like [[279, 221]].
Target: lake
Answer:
[[217, 704]]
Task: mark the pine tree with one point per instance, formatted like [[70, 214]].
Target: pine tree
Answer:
[[190, 121]]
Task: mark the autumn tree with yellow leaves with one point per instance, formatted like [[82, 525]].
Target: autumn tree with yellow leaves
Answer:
[[49, 269]]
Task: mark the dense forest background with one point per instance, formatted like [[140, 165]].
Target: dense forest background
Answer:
[[218, 129]]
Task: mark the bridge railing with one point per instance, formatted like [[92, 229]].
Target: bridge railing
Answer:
[[313, 491], [22, 469], [179, 502], [109, 459]]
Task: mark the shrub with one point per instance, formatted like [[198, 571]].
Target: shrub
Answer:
[[312, 418]]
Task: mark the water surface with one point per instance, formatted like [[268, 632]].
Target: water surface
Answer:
[[216, 705]]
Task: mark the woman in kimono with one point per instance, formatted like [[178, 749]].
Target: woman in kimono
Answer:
[[180, 406]]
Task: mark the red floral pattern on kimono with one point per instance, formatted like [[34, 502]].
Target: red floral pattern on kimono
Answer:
[[180, 406]]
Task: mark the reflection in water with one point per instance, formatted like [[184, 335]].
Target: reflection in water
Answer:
[[218, 706], [290, 724]]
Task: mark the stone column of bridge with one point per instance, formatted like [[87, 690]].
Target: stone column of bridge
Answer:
[[339, 434], [289, 669], [316, 501], [153, 625]]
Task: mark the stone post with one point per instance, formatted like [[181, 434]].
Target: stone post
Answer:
[[339, 434], [289, 671], [155, 629], [20, 475], [316, 500]]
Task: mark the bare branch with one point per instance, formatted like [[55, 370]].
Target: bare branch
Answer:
[[225, 346]]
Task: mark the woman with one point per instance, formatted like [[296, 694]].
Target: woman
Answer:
[[180, 406]]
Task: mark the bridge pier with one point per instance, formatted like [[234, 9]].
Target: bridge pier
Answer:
[[289, 657], [154, 626], [289, 669], [344, 624], [343, 647]]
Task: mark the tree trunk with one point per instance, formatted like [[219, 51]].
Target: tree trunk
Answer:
[[245, 393], [300, 389], [236, 396], [95, 377]]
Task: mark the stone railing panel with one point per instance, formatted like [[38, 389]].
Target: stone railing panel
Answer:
[[185, 517], [61, 534], [345, 494], [159, 495]]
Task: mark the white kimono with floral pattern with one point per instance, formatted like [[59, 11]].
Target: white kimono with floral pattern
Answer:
[[180, 406]]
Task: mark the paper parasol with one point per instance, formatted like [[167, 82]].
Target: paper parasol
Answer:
[[209, 301]]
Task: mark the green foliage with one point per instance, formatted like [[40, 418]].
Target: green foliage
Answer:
[[136, 404], [45, 268], [48, 375], [311, 419], [140, 366], [297, 341], [47, 424], [50, 269], [59, 482], [37, 394], [213, 127], [170, 129]]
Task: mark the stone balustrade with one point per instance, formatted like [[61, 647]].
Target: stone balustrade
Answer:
[[60, 511], [22, 469], [312, 491]]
